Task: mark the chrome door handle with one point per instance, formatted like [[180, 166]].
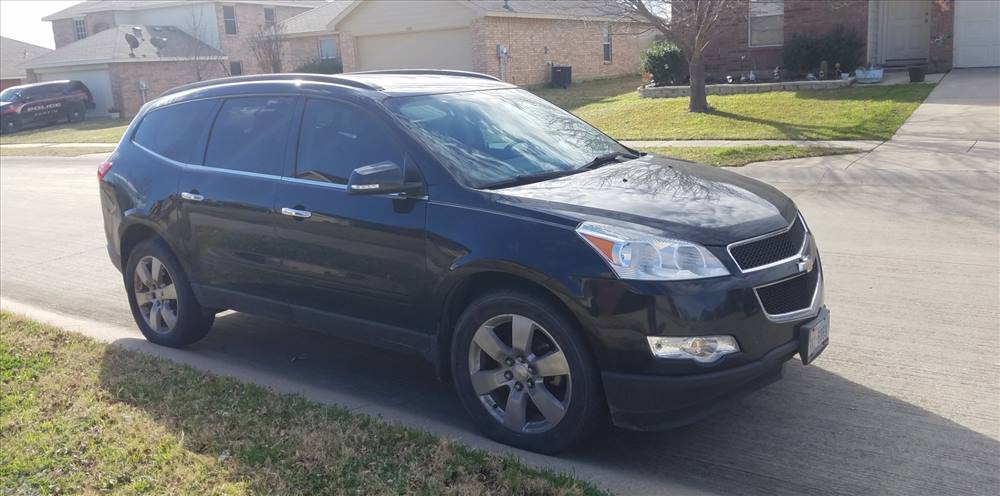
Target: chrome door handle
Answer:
[[192, 196], [298, 214]]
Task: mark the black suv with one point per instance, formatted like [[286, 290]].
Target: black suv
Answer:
[[553, 274], [46, 102]]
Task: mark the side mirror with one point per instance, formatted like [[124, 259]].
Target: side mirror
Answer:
[[379, 179]]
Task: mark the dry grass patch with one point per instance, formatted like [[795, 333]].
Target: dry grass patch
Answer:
[[79, 417], [89, 131]]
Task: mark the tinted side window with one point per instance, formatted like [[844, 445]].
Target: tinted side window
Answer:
[[337, 138], [178, 131], [250, 134]]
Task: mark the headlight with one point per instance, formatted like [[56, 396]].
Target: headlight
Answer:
[[703, 349], [640, 256]]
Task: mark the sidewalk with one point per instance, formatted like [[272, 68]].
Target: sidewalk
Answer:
[[864, 145]]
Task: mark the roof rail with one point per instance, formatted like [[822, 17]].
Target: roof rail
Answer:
[[287, 76], [431, 72]]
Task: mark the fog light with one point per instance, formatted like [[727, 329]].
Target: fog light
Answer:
[[697, 348]]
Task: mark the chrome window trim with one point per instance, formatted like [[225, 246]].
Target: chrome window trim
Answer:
[[811, 311], [312, 182], [796, 256], [185, 165]]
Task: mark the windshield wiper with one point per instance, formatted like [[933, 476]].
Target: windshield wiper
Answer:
[[522, 179], [606, 158]]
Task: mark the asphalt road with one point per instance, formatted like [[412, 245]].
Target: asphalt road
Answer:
[[906, 400]]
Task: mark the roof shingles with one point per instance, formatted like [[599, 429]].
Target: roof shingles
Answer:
[[110, 46], [14, 54]]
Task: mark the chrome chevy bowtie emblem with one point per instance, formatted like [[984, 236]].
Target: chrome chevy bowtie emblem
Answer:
[[805, 263]]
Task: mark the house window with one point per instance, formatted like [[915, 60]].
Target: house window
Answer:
[[80, 28], [327, 48], [235, 68], [269, 17], [229, 18], [767, 23], [607, 44]]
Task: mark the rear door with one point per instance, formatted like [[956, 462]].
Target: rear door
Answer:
[[354, 256], [227, 205]]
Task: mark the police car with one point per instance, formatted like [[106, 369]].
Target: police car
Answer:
[[47, 102]]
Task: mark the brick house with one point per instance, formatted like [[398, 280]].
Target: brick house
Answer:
[[516, 40], [200, 39], [940, 33]]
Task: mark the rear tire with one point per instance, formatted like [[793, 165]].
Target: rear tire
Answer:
[[160, 296], [524, 373]]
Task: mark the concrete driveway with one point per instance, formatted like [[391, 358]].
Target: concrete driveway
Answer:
[[905, 401]]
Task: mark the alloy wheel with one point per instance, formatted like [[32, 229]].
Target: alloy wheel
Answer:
[[520, 374], [155, 294]]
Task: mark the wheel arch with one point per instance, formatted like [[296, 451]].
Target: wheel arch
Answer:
[[135, 231], [474, 283]]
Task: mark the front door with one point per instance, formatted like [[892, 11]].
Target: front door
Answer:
[[227, 206], [907, 31], [355, 256]]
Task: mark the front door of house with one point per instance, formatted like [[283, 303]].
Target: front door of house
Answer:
[[907, 31]]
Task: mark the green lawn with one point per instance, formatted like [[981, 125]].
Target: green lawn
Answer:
[[854, 113], [89, 131], [48, 151], [742, 155], [79, 417]]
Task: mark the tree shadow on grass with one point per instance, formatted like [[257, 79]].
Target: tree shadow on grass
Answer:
[[813, 433], [805, 131]]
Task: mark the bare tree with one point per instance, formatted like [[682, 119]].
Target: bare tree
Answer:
[[691, 25], [196, 52], [268, 47]]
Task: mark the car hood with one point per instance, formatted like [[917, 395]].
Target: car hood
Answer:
[[695, 202]]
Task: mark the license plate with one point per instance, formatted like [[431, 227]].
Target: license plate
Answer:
[[815, 337]]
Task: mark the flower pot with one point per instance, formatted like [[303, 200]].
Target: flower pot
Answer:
[[917, 73]]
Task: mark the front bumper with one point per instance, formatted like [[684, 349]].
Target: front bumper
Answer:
[[649, 393], [645, 402]]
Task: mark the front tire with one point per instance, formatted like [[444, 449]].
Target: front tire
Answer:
[[76, 113], [524, 373], [11, 124], [162, 302]]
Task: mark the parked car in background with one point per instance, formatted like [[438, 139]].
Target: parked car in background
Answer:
[[47, 102], [555, 275]]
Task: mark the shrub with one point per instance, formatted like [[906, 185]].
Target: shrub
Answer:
[[325, 66], [803, 53], [666, 63]]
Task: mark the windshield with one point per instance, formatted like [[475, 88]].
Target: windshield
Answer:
[[487, 138], [9, 95]]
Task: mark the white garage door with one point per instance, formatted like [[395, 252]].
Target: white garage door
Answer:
[[446, 49], [97, 81], [977, 33]]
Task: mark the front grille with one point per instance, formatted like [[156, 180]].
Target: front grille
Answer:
[[789, 295], [765, 251]]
